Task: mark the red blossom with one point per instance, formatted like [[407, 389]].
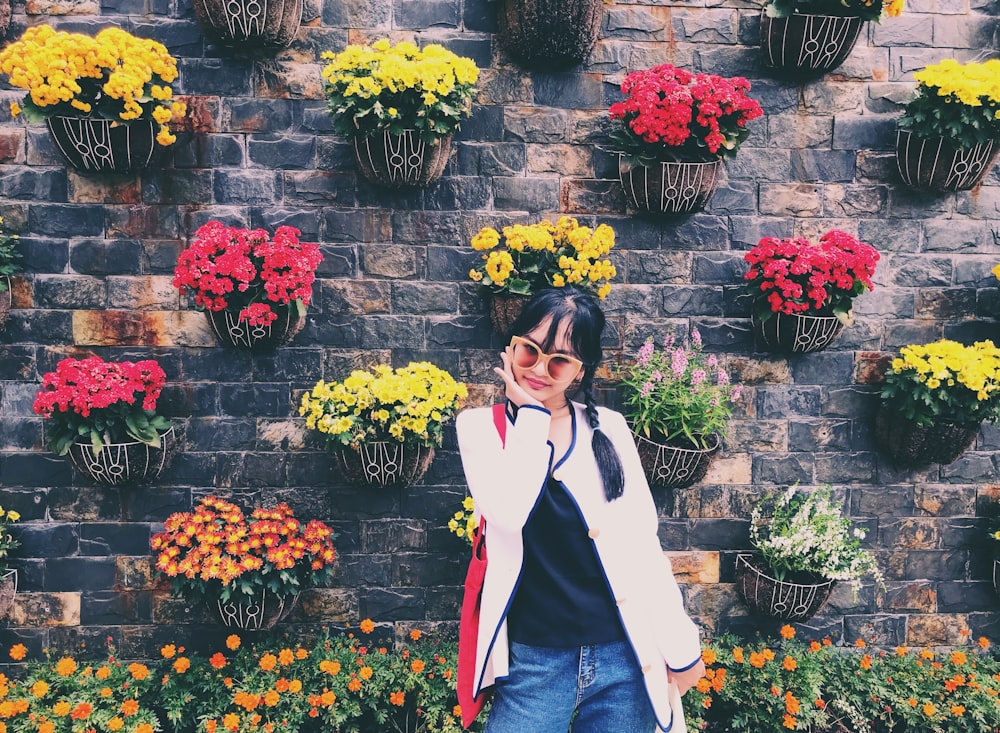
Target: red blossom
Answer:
[[85, 385], [232, 266]]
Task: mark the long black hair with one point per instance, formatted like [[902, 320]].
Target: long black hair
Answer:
[[584, 323]]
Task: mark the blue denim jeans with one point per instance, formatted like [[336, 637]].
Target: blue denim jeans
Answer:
[[602, 684]]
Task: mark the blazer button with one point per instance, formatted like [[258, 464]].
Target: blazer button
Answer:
[[620, 601], [646, 668], [594, 533]]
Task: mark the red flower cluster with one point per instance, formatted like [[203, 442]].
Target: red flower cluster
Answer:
[[84, 385], [795, 276], [670, 107], [235, 267], [215, 542]]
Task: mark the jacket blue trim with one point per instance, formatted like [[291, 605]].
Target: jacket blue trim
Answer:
[[685, 669]]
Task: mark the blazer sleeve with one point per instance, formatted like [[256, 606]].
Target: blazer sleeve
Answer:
[[505, 479], [677, 635]]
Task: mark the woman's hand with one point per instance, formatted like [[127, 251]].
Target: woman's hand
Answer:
[[688, 678], [514, 392]]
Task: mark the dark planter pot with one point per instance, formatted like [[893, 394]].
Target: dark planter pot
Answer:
[[796, 333], [256, 615], [383, 464], [934, 163], [669, 189], [804, 45], [504, 310], [124, 464], [5, 302], [768, 596], [397, 161], [8, 590], [250, 23], [547, 34], [241, 335], [675, 465], [909, 444], [101, 146]]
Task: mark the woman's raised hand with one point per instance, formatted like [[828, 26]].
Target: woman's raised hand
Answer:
[[514, 392]]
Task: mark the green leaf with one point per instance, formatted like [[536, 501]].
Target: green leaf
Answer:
[[96, 444]]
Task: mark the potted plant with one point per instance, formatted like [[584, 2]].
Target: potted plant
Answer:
[[804, 38], [106, 99], [9, 265], [249, 23], [8, 575], [678, 403], [934, 398], [949, 135], [804, 545], [549, 34], [671, 132], [802, 293], [249, 569], [399, 105], [383, 424], [522, 259], [103, 416], [254, 289]]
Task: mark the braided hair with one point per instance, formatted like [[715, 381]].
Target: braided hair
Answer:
[[583, 320]]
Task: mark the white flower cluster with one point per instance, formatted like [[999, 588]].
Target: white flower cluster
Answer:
[[804, 532]]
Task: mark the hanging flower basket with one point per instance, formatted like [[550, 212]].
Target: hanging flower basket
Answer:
[[124, 464], [768, 596], [256, 615], [230, 331], [669, 466], [807, 45], [8, 589], [251, 23], [5, 302], [910, 444], [796, 333], [669, 188], [936, 163], [504, 310], [104, 146], [384, 464], [546, 34], [401, 160]]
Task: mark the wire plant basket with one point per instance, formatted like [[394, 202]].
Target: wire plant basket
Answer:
[[780, 599]]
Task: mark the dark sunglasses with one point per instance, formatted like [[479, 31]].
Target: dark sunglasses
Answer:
[[559, 367]]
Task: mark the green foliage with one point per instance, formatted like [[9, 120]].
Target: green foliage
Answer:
[[106, 426], [7, 541], [9, 257], [959, 102]]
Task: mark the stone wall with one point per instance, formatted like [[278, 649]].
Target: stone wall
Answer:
[[259, 151]]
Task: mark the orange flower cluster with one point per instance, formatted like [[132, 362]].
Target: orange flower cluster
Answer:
[[205, 551]]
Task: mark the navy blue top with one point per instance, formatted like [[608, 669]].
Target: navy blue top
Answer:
[[563, 599]]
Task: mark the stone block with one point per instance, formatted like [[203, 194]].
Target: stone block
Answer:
[[281, 151], [46, 609], [853, 132], [136, 572], [245, 187], [145, 328], [854, 201], [782, 401], [392, 604], [284, 79], [567, 90], [762, 164], [783, 469], [587, 196], [918, 271], [105, 257], [111, 539], [526, 194], [176, 186], [936, 630], [799, 131], [142, 293], [220, 77], [637, 23], [695, 567], [730, 469], [819, 435], [34, 185], [948, 235], [782, 199], [535, 124], [329, 605]]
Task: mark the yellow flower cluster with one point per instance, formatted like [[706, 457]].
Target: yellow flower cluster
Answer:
[[972, 84], [945, 364], [113, 75], [408, 404], [530, 257], [464, 521]]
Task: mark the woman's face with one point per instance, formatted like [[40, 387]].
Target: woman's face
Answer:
[[537, 380]]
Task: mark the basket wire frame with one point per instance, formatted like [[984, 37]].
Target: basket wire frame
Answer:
[[826, 41], [255, 615], [778, 598], [121, 463]]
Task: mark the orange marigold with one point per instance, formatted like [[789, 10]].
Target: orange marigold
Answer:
[[787, 632], [756, 659], [182, 665], [233, 642], [929, 710], [168, 651], [958, 657], [268, 662], [983, 642], [40, 688], [65, 666], [82, 711], [231, 721], [365, 673], [138, 671], [866, 662], [789, 664], [130, 707], [286, 657], [217, 660], [115, 723], [396, 698], [354, 685], [738, 654], [416, 634], [708, 656], [417, 665], [788, 722], [18, 652], [367, 626], [957, 710], [144, 728]]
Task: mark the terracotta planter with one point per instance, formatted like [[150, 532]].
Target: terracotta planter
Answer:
[[909, 444], [670, 466], [383, 463], [547, 34], [401, 160], [5, 302], [669, 188], [935, 163], [504, 310], [250, 23], [797, 333], [256, 615], [124, 464], [768, 596], [101, 146], [241, 335], [8, 589], [807, 45]]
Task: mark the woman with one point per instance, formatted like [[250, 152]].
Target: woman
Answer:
[[581, 618]]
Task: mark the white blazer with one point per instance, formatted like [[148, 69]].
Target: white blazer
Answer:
[[506, 483]]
